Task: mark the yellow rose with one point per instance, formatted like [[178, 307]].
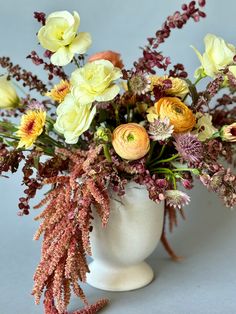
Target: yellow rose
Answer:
[[181, 117], [131, 141], [59, 35], [95, 81], [8, 96], [228, 133], [179, 87], [218, 54], [204, 127], [73, 118]]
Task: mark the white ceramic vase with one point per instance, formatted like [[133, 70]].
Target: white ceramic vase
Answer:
[[132, 234]]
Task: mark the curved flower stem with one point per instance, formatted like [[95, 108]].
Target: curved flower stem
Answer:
[[107, 153], [152, 146], [166, 160], [115, 106], [163, 170], [76, 62], [151, 162], [12, 137], [185, 169]]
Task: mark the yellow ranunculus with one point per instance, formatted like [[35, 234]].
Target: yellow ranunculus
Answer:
[[73, 118], [59, 35], [180, 116], [131, 141], [8, 96], [96, 81], [179, 87], [204, 127], [218, 54]]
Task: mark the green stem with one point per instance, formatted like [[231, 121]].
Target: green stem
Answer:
[[166, 160], [9, 136], [159, 156], [107, 152], [151, 151], [174, 182], [116, 108], [128, 114], [198, 80], [162, 170], [76, 62], [184, 169]]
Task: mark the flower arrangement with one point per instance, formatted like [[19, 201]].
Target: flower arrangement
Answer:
[[102, 126]]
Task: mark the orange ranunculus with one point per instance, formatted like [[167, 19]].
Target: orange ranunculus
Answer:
[[131, 141], [181, 117], [109, 55]]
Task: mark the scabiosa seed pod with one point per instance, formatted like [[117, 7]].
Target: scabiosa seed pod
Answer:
[[139, 84]]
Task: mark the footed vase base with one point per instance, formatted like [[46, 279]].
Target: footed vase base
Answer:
[[127, 278]]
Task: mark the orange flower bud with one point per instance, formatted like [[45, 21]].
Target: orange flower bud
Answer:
[[109, 55], [131, 141]]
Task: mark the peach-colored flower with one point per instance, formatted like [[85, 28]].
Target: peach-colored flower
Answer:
[[181, 117], [112, 56], [131, 141]]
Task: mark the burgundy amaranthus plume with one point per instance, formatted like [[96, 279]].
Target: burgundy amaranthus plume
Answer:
[[66, 227]]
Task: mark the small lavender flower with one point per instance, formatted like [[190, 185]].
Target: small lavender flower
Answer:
[[189, 147], [176, 198], [160, 130], [36, 105]]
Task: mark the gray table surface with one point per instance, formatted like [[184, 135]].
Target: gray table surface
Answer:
[[205, 282]]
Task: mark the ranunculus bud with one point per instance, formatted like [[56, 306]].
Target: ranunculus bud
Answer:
[[228, 133], [112, 56], [8, 96], [131, 141]]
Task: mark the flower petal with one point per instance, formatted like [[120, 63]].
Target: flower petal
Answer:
[[81, 43], [109, 94], [62, 56]]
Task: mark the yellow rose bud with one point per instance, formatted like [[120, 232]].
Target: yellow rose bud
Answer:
[[218, 54], [181, 117], [131, 141], [228, 133], [8, 96]]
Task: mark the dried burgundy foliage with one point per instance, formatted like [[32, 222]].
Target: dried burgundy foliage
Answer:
[[48, 67], [28, 78], [152, 58]]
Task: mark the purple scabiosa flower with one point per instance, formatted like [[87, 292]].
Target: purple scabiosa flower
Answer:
[[160, 130], [189, 147], [176, 198], [36, 105]]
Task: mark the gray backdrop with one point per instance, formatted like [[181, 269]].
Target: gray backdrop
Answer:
[[205, 282]]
